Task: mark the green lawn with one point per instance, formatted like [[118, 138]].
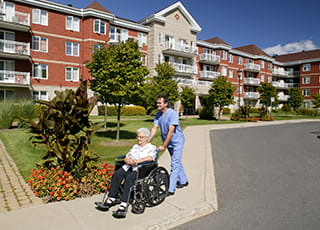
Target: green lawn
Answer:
[[103, 142]]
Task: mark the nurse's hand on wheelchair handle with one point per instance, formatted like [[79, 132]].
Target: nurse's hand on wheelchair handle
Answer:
[[161, 148]]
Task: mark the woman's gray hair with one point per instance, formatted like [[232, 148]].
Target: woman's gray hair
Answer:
[[144, 131]]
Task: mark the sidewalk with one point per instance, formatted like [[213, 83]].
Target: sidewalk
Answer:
[[189, 203]]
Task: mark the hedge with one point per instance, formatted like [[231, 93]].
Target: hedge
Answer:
[[125, 111]]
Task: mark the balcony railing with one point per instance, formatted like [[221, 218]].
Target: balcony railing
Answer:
[[251, 95], [209, 74], [252, 67], [18, 17], [280, 72], [181, 47], [183, 68], [13, 77], [212, 58], [185, 81], [13, 47], [283, 97], [282, 85], [205, 83], [252, 81]]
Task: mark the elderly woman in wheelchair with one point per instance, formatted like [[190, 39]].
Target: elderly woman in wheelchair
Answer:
[[137, 179]]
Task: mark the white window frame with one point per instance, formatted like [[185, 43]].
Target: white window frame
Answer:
[[306, 92], [262, 77], [230, 73], [39, 95], [262, 64], [306, 67], [5, 92], [144, 59], [40, 17], [230, 58], [72, 23], [142, 39], [74, 49], [160, 38], [72, 73], [39, 41], [224, 71], [223, 55], [239, 60], [37, 71], [99, 26], [117, 34], [306, 80]]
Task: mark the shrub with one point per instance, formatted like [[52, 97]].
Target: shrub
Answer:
[[25, 110], [7, 114], [254, 110], [206, 113], [226, 110], [125, 110], [286, 108], [305, 112], [55, 184]]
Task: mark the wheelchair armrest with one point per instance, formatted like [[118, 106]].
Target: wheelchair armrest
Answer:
[[146, 163], [120, 158]]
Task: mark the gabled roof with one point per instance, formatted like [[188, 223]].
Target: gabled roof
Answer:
[[217, 40], [97, 6], [312, 54], [160, 16], [252, 49]]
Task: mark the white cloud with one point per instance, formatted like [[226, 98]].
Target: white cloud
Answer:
[[291, 47]]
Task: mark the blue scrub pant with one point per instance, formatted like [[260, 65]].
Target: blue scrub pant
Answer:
[[177, 171]]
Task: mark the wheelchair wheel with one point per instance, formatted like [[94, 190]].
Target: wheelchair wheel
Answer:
[[138, 206], [156, 186]]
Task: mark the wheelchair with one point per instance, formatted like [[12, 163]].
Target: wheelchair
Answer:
[[150, 187]]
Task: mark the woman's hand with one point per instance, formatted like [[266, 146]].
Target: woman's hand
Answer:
[[130, 161]]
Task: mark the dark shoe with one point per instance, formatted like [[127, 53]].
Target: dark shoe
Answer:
[[170, 194], [121, 212], [104, 206], [182, 185]]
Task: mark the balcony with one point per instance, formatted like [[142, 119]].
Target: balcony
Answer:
[[251, 95], [184, 81], [18, 21], [252, 81], [280, 73], [209, 59], [14, 78], [179, 49], [204, 83], [184, 69], [251, 67], [282, 97], [13, 49], [282, 85], [209, 74]]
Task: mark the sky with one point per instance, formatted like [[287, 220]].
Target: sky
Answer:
[[275, 26]]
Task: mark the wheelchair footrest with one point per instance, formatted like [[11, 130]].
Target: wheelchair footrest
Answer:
[[101, 206]]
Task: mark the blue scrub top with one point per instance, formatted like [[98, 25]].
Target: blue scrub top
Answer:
[[164, 120]]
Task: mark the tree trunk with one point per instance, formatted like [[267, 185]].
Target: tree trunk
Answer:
[[118, 122]]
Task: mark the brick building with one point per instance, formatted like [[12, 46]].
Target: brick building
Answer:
[[44, 46]]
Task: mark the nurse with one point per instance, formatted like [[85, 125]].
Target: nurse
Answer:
[[172, 139]]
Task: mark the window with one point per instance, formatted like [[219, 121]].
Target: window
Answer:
[[169, 42], [72, 74], [262, 63], [269, 65], [118, 34], [40, 95], [306, 92], [72, 49], [144, 59], [40, 17], [40, 44], [224, 55], [230, 58], [159, 58], [230, 73], [306, 80], [306, 104], [72, 23], [269, 79], [99, 26], [40, 71], [306, 67], [160, 37], [142, 39], [239, 60], [6, 94], [224, 71], [262, 77]]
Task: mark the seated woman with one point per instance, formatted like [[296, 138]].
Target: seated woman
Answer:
[[143, 151]]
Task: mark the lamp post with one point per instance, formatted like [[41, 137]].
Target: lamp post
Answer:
[[239, 78]]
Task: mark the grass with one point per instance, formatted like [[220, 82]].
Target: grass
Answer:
[[103, 142]]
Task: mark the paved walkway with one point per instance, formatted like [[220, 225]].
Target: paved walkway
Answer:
[[14, 192]]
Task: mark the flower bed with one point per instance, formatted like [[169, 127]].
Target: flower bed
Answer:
[[55, 184]]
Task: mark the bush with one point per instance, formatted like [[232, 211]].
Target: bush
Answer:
[[125, 111], [254, 110], [7, 114], [206, 113], [306, 112], [55, 184], [226, 110], [286, 108], [25, 110]]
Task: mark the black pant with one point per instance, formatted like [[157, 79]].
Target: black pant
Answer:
[[117, 177]]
